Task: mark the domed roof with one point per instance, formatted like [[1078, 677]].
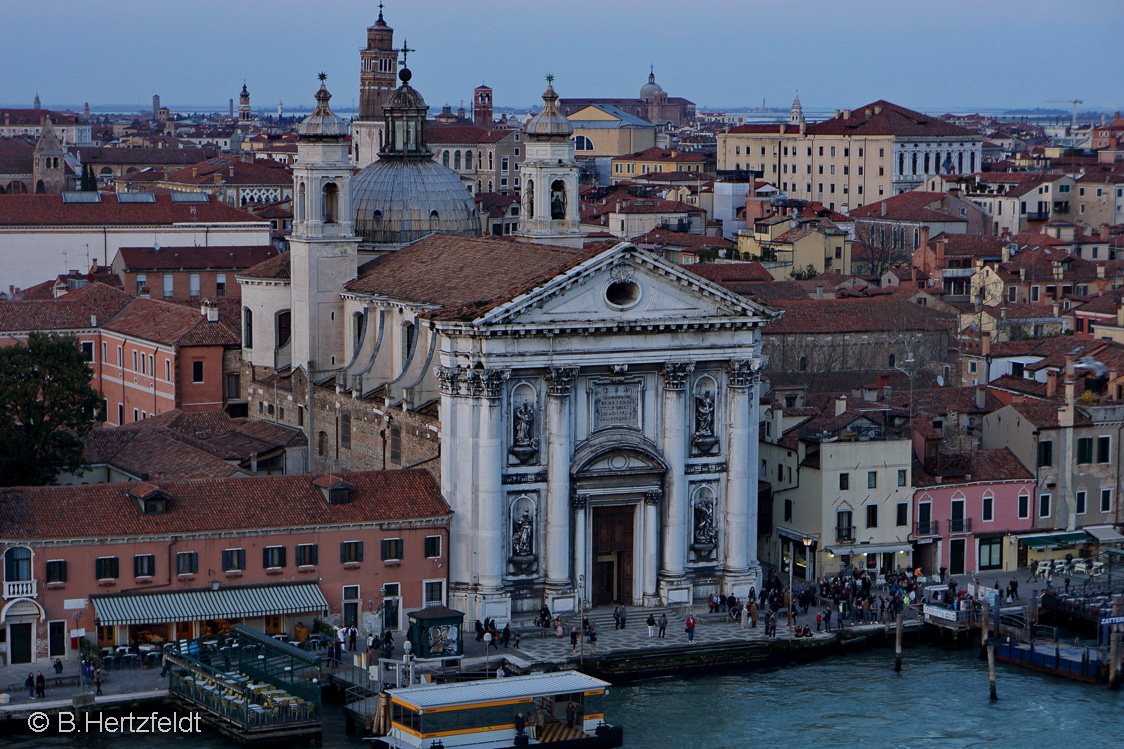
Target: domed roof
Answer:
[[397, 201], [405, 96], [549, 123], [322, 123], [651, 88]]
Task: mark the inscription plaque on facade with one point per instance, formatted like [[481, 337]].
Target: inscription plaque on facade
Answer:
[[616, 405]]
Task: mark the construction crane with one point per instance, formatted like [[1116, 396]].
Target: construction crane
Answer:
[[1074, 102]]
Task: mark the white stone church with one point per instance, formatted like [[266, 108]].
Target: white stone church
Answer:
[[597, 406]]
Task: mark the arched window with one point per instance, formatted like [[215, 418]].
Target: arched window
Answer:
[[582, 143], [445, 158], [284, 327], [322, 444], [17, 564], [893, 360], [468, 159], [376, 219], [331, 193], [490, 167], [434, 216], [558, 200], [409, 339], [247, 328], [300, 202], [456, 160], [489, 185], [357, 329], [803, 364]]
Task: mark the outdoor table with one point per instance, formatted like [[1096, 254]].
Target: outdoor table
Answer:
[[122, 649], [146, 648], [272, 692]]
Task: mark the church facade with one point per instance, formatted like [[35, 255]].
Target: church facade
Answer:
[[594, 410]]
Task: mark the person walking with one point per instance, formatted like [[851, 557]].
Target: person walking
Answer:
[[624, 615], [41, 685], [690, 627], [506, 634], [573, 639], [592, 641], [353, 636], [97, 681], [743, 615], [663, 627], [29, 682], [1015, 589], [571, 714], [651, 626], [752, 613], [164, 664], [616, 617]]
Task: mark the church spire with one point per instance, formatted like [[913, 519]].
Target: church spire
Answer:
[[796, 114], [404, 116]]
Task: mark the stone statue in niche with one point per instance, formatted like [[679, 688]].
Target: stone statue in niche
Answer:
[[705, 534], [522, 536], [524, 444], [704, 442]]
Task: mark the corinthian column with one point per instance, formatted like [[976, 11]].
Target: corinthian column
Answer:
[[560, 382], [741, 466], [674, 446], [487, 385]]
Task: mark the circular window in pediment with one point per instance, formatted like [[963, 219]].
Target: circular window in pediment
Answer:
[[622, 294]]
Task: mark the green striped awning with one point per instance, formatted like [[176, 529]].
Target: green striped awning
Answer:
[[199, 605], [1079, 537], [1040, 542]]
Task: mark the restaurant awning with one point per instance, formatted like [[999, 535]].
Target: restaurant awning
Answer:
[[199, 605], [870, 549], [794, 535], [1105, 534], [1040, 542], [1077, 537]]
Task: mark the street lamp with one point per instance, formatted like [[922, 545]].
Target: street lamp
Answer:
[[488, 651], [808, 559], [791, 564], [581, 620]]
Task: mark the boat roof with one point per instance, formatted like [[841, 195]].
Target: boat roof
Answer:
[[430, 696]]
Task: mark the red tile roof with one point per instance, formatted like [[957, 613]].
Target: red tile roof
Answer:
[[276, 268], [913, 205], [34, 117], [155, 452], [218, 504], [50, 210], [170, 324], [666, 155], [723, 273], [15, 156], [681, 240], [971, 245], [877, 118], [230, 170], [465, 275], [105, 155], [983, 466], [83, 308], [195, 258], [850, 316]]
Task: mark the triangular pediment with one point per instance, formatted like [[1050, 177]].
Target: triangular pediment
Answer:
[[628, 285]]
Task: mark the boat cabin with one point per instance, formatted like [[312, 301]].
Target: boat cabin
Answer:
[[482, 714]]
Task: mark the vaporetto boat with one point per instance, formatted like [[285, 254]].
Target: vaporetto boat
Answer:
[[483, 714]]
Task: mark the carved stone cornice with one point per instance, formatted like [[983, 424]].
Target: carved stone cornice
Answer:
[[675, 375], [560, 380], [653, 496], [579, 501], [745, 372]]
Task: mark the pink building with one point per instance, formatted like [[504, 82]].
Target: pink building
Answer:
[[967, 506], [132, 563]]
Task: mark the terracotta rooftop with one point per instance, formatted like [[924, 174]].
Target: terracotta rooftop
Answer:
[[850, 316], [913, 205], [983, 465], [84, 308], [724, 273], [170, 324], [276, 268], [230, 170], [465, 275], [50, 210], [156, 452], [217, 504], [194, 258], [877, 118]]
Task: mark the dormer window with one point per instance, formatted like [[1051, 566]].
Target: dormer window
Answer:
[[149, 498], [334, 490]]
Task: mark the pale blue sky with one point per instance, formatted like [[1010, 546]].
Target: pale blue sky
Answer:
[[719, 53]]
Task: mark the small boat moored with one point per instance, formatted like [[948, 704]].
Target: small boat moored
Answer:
[[483, 714]]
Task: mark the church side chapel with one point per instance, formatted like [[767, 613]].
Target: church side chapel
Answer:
[[591, 412]]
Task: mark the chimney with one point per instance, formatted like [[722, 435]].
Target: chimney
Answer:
[[194, 171], [878, 110], [840, 405], [1100, 271], [93, 319], [1066, 412], [1006, 253], [210, 310], [1103, 231], [782, 128], [1057, 309], [883, 207], [981, 398], [803, 127], [866, 113], [836, 114], [1051, 382], [940, 252], [985, 343], [846, 114]]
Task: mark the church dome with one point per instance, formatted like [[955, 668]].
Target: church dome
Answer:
[[549, 124], [322, 123], [398, 201], [651, 88]]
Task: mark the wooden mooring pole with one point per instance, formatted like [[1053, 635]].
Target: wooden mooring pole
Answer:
[[991, 668], [1114, 645], [898, 643]]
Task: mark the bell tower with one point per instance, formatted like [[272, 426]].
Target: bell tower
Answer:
[[378, 66], [323, 247], [48, 161], [482, 107], [549, 177], [245, 114]]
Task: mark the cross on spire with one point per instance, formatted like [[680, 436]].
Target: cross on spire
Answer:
[[405, 51]]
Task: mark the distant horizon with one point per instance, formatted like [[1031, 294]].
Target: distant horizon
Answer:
[[1000, 55]]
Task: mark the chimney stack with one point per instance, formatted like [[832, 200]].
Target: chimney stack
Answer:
[[981, 398], [1051, 382], [210, 310], [985, 343], [840, 405]]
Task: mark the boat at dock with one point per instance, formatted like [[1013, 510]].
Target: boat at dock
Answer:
[[482, 714]]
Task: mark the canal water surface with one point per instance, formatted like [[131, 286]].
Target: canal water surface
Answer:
[[939, 700]]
